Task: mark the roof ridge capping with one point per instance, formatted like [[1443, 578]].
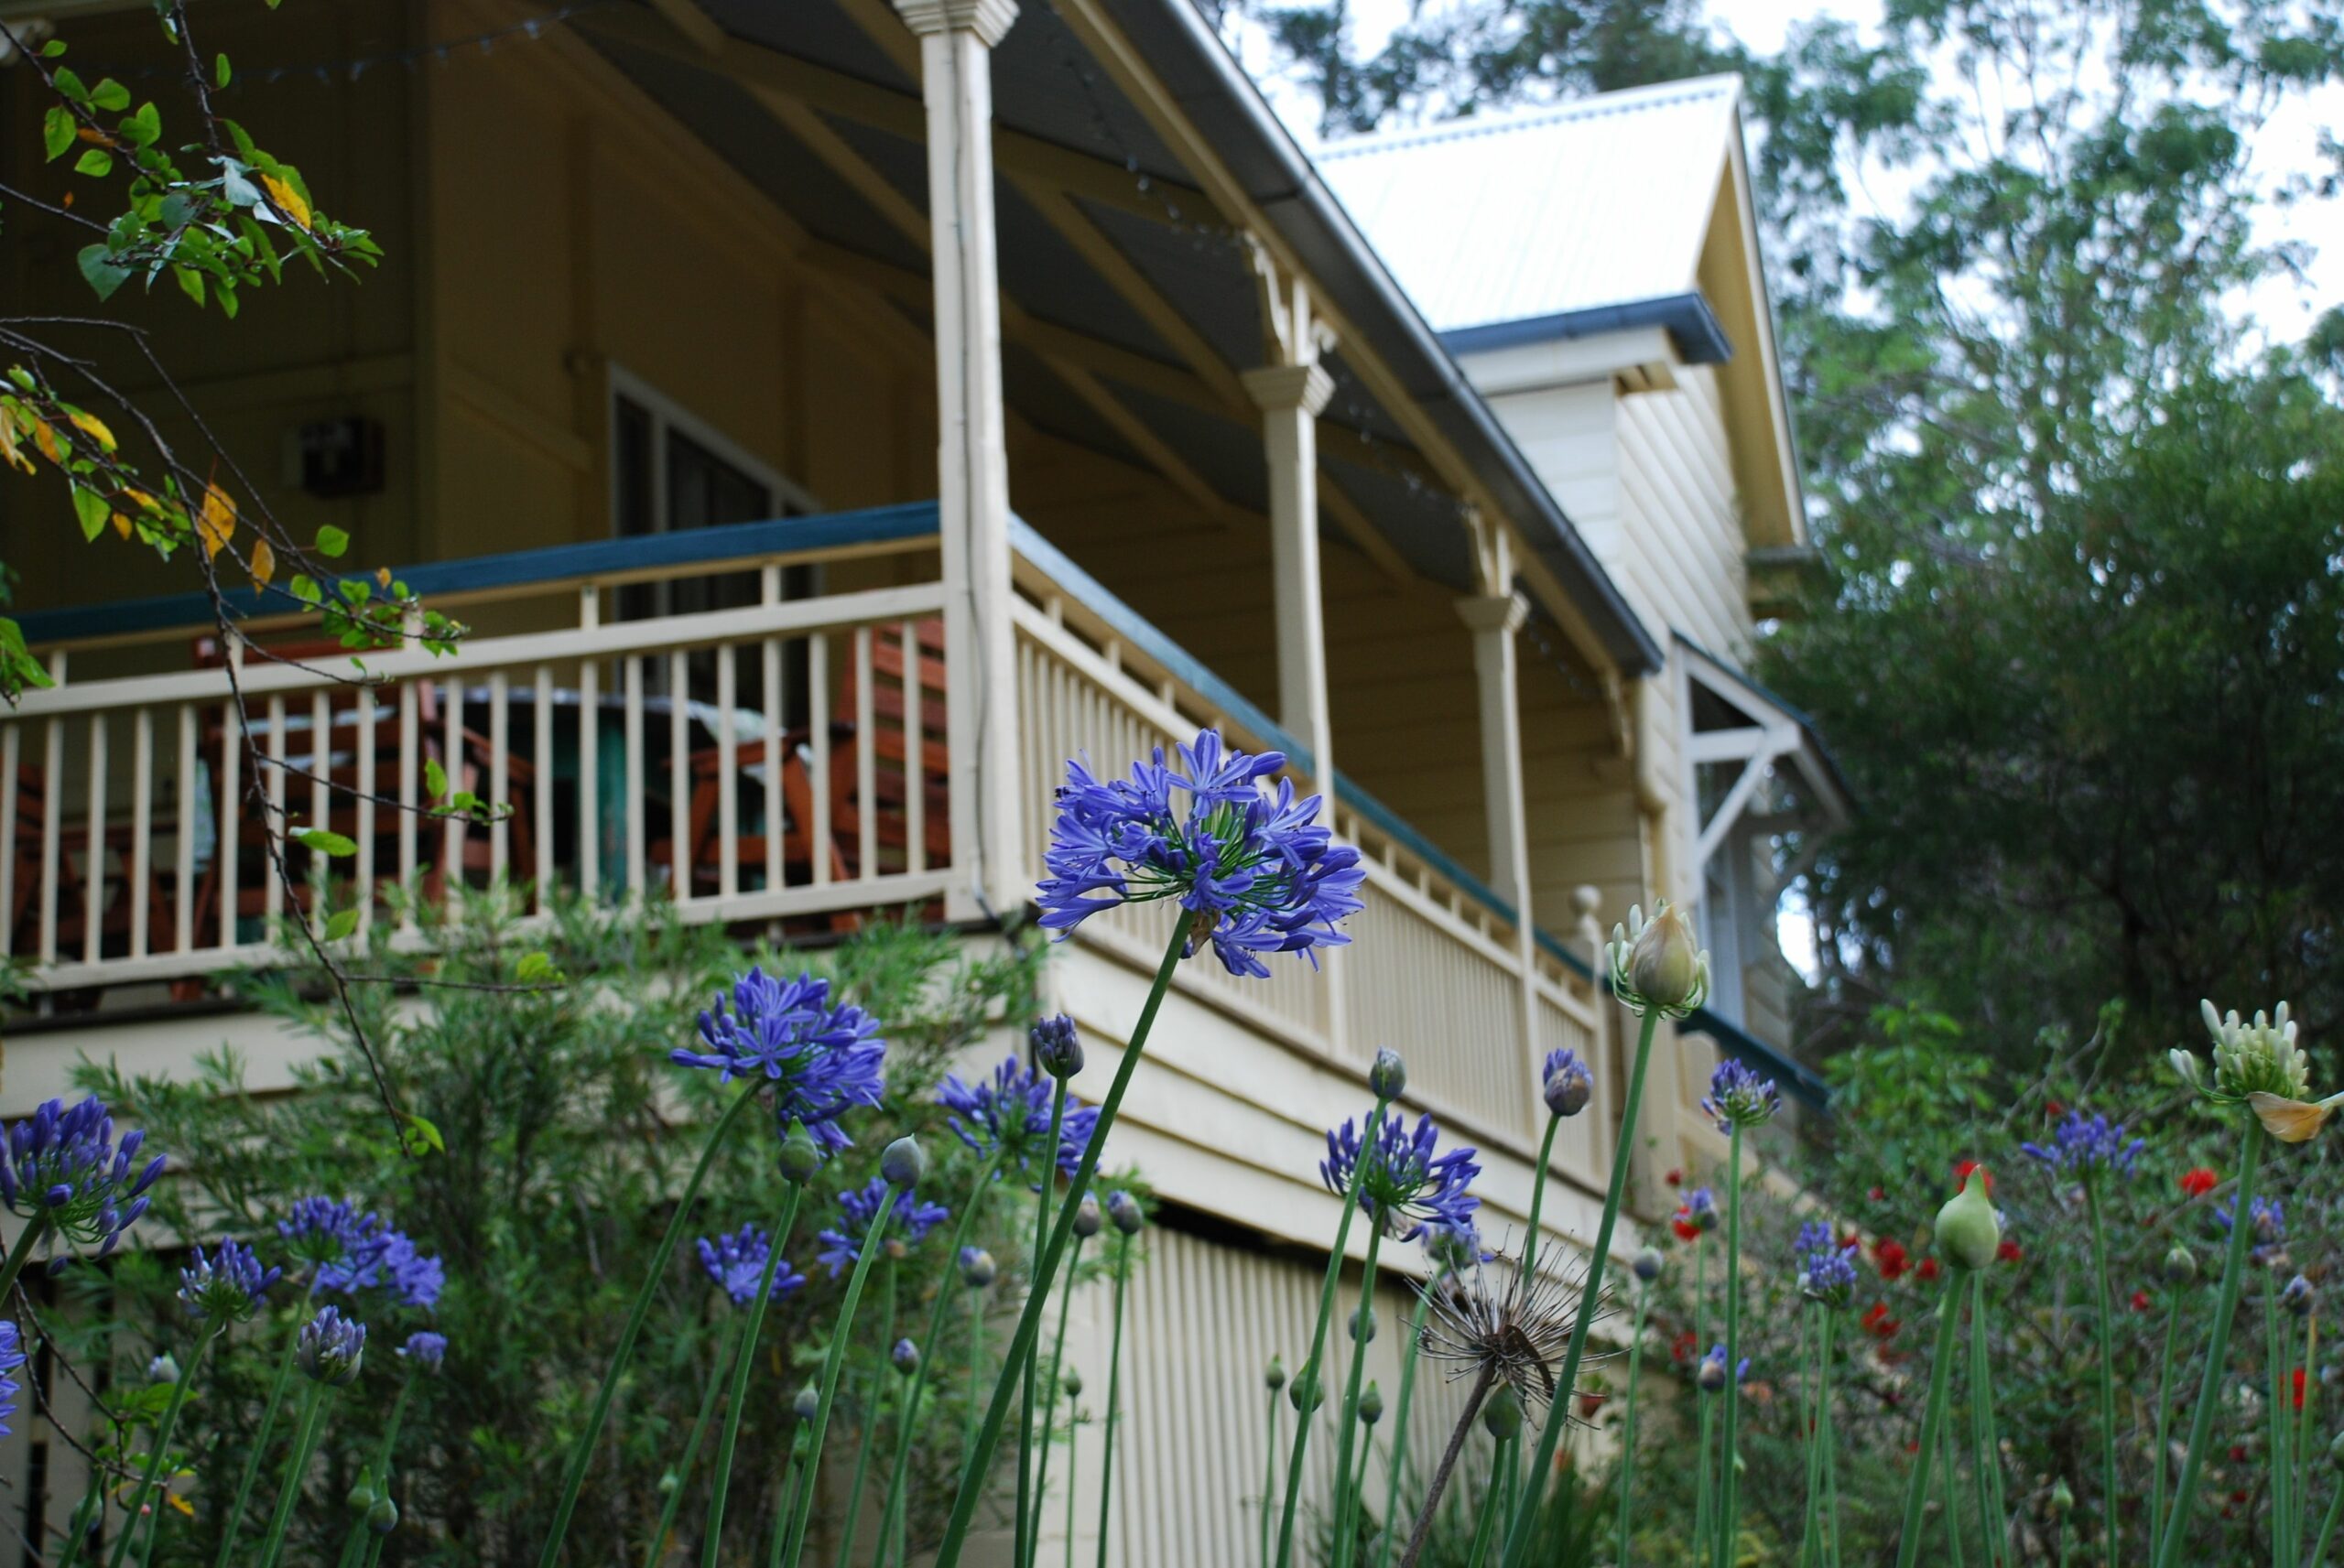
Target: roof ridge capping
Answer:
[[1725, 84]]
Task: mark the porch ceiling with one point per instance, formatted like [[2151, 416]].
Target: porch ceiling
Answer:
[[1129, 303]]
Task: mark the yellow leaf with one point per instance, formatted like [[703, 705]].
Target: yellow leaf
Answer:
[[146, 502], [46, 439], [217, 521], [382, 576], [95, 428], [287, 199], [122, 524], [9, 453], [264, 562]]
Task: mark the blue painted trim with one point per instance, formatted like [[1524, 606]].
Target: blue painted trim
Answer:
[[1691, 325], [1136, 629], [515, 568]]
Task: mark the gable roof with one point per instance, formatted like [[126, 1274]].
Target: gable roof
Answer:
[[1598, 203]]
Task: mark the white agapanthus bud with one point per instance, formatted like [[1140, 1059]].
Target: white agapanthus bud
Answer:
[[1657, 965]]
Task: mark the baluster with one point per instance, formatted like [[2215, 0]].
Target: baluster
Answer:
[[362, 752], [916, 753], [277, 863], [453, 760], [9, 743], [93, 874], [866, 760], [500, 776], [769, 592], [818, 683], [139, 863], [679, 736], [320, 797], [52, 824], [589, 767], [637, 780], [410, 772], [232, 787], [541, 746], [728, 824]]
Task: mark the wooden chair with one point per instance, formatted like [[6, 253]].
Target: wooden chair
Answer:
[[73, 850], [897, 723]]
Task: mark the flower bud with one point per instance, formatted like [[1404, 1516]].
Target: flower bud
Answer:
[[669, 1482], [905, 1357], [2335, 1451], [903, 1163], [1968, 1229], [1569, 1084], [2297, 1296], [1501, 1415], [1355, 1331], [977, 1268], [1071, 1381], [361, 1496], [1275, 1377], [1388, 1079], [383, 1517], [800, 1156], [1370, 1404], [2063, 1497], [1124, 1213], [2180, 1265], [1056, 1047], [1666, 964], [1086, 1219], [1305, 1387], [1711, 1376], [807, 1403], [1647, 1264], [163, 1369]]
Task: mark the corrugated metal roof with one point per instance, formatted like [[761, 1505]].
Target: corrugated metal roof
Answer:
[[1507, 217]]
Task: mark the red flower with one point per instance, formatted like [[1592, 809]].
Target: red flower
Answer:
[[2196, 1183], [1961, 1170], [2140, 1300], [2238, 1453], [1589, 1404], [1675, 1178], [2300, 1388], [2008, 1252], [1686, 1230], [1878, 1324], [1929, 1270], [2053, 1110], [1890, 1256], [1683, 1346], [1878, 1195]]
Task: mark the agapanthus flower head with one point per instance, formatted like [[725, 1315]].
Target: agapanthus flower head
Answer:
[[1388, 1075], [737, 1263], [1507, 1321], [1566, 1083], [426, 1350], [1657, 965], [321, 1232], [1057, 1046], [2083, 1146], [1454, 1247], [1740, 1097], [330, 1347], [1370, 1404], [1647, 1264], [12, 1358], [977, 1268], [1124, 1213], [1711, 1377], [823, 1060], [2268, 1218], [1405, 1182], [1009, 1114], [2296, 1296], [1088, 1217], [904, 1356], [395, 1266], [228, 1286], [1250, 864], [1968, 1231], [1827, 1267], [909, 1221], [2250, 1056], [64, 1167]]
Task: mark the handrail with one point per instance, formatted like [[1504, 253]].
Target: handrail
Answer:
[[647, 554]]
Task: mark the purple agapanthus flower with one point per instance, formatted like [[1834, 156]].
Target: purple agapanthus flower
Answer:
[[1249, 862], [1403, 1184], [426, 1350], [1711, 1376], [822, 1060], [1740, 1096], [391, 1263], [228, 1286], [64, 1168], [1827, 1266], [1009, 1114], [2269, 1218], [2084, 1145], [1455, 1248], [322, 1230], [330, 1347], [12, 1356], [911, 1219], [737, 1261]]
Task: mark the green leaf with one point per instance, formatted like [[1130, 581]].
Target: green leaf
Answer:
[[220, 73], [535, 968], [104, 272], [69, 84], [435, 778], [190, 282], [340, 924], [57, 131], [97, 163], [305, 588], [51, 50], [421, 1136], [92, 509], [145, 129], [326, 842], [110, 95], [333, 542]]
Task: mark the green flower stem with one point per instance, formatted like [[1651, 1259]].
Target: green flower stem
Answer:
[[1038, 1287], [1538, 1196], [878, 1401], [1029, 1320], [1729, 1524], [2110, 1498], [583, 1455], [1305, 1404], [1400, 1420], [1269, 1478], [741, 1359], [234, 1523], [2218, 1345], [1492, 1503], [929, 1345], [1115, 1392], [1701, 1496], [1517, 1542], [1830, 1486], [297, 1467], [1986, 1456], [2162, 1455], [1051, 1401], [1073, 1454], [793, 1481], [85, 1515], [1347, 1495], [717, 1381], [976, 1360], [1809, 1374], [833, 1362], [161, 1454], [2303, 1449], [2327, 1529], [20, 1254], [1917, 1493], [2282, 1474], [1819, 1429], [1952, 1495]]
